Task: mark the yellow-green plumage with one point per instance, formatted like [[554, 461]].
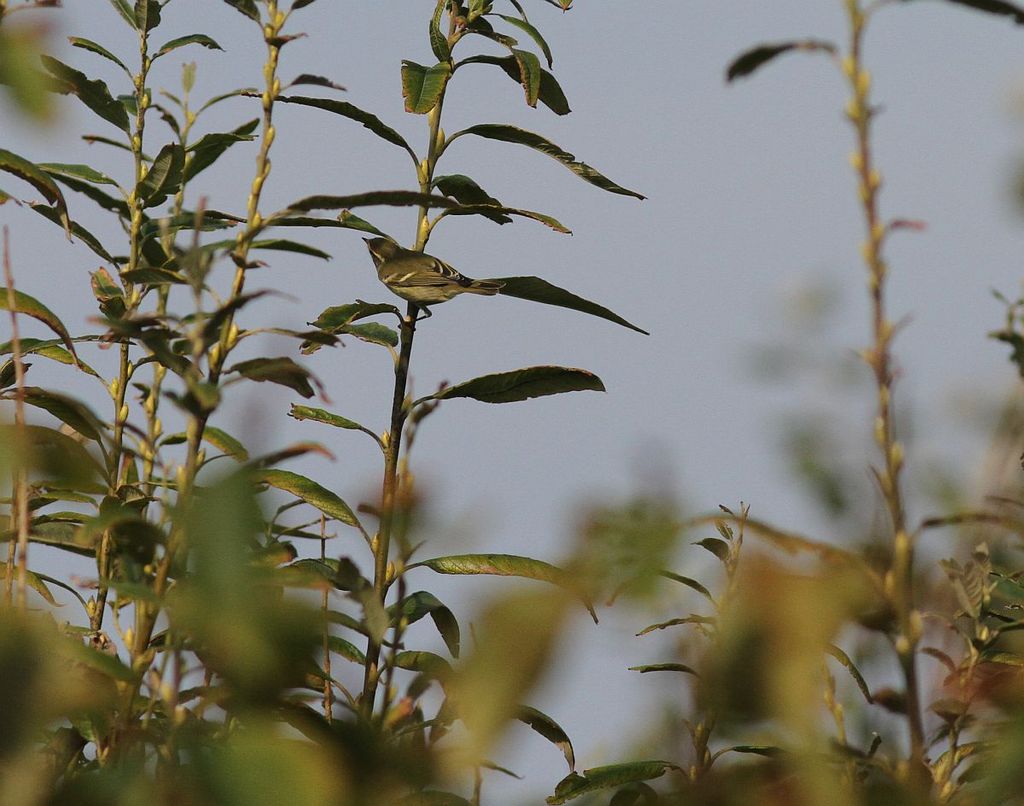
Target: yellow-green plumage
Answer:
[[421, 278]]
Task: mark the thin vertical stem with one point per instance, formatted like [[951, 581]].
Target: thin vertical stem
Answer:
[[900, 581], [328, 700], [19, 492]]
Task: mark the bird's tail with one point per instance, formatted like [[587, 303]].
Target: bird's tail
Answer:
[[487, 287]]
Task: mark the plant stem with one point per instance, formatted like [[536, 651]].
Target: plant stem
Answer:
[[900, 581], [399, 408], [19, 497]]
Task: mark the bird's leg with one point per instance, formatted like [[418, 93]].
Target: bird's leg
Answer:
[[426, 313]]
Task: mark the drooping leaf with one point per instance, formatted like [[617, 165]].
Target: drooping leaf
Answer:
[[522, 384], [511, 134], [77, 230], [999, 7], [315, 81], [851, 667], [347, 110], [538, 84], [550, 730], [83, 172], [93, 93], [37, 177], [191, 39], [309, 491], [246, 7], [423, 86], [751, 60], [536, 289], [95, 47], [345, 220], [421, 603], [30, 306], [95, 659], [592, 780], [532, 32], [427, 663], [438, 41], [226, 443], [501, 215], [690, 583], [281, 370], [68, 410], [338, 315], [675, 622]]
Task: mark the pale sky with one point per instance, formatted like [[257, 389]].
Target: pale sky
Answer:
[[750, 199]]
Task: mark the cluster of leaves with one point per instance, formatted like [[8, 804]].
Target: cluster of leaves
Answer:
[[200, 636]]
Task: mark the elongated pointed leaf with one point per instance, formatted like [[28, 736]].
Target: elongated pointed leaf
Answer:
[[535, 289], [126, 11], [77, 171], [690, 583], [346, 220], [68, 410], [347, 110], [94, 94], [312, 493], [663, 667], [107, 665], [438, 41], [391, 198], [999, 7], [226, 443], [423, 86], [95, 47], [30, 306], [851, 667], [511, 134], [281, 370], [501, 215], [38, 178], [323, 416], [208, 148], [191, 39], [538, 84], [550, 730], [755, 58], [532, 32], [593, 780], [246, 7], [77, 230], [315, 81], [338, 315], [675, 622], [522, 384], [347, 650], [147, 14]]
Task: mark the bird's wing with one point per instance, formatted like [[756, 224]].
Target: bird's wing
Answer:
[[419, 272]]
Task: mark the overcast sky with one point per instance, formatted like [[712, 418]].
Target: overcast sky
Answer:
[[750, 200]]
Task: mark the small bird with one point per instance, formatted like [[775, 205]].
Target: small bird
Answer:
[[420, 278]]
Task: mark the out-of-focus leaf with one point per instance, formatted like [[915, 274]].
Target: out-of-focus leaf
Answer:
[[717, 547], [592, 780], [417, 605], [511, 134], [535, 289], [312, 493], [851, 667], [522, 384], [749, 61], [690, 583], [663, 667], [550, 730], [94, 94], [68, 410], [423, 86]]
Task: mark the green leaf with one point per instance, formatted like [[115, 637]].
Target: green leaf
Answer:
[[717, 547], [675, 622], [417, 605], [690, 583], [94, 94], [511, 134], [347, 110], [347, 650], [83, 172], [69, 411], [592, 780], [23, 169], [208, 148], [501, 215], [663, 667], [372, 332], [999, 7], [30, 306], [226, 443], [467, 192], [755, 58], [97, 660], [391, 198], [77, 230], [438, 41], [505, 565], [309, 491], [126, 11], [280, 370], [533, 33], [49, 348], [524, 68], [346, 220], [338, 315], [36, 583], [522, 384], [422, 86], [164, 176], [191, 39], [284, 245], [477, 8], [104, 200], [95, 47], [323, 416], [246, 7], [851, 667], [550, 730], [426, 663], [147, 14]]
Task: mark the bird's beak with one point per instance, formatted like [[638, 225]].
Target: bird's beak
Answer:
[[366, 241]]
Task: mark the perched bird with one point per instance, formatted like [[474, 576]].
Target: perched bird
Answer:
[[420, 278]]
